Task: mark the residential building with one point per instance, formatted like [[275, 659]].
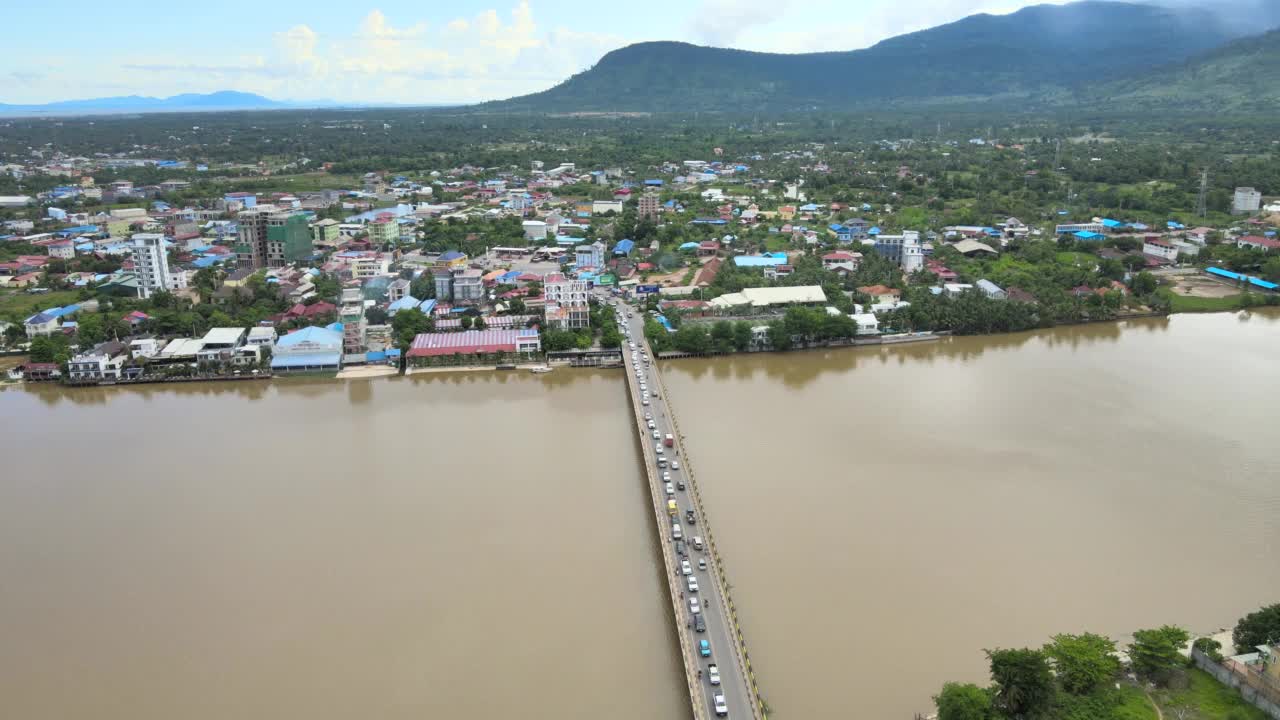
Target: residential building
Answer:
[[262, 336], [956, 289], [384, 231], [351, 315], [769, 296], [151, 265], [468, 286], [842, 260], [311, 349], [220, 344], [144, 347], [62, 249], [397, 290], [102, 363], [868, 323], [990, 289], [648, 207], [590, 255], [1158, 248], [452, 259], [1246, 201], [1258, 242], [904, 249], [325, 233], [1073, 228], [567, 302], [444, 285]]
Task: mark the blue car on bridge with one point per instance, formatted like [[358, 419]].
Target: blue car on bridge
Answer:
[[704, 648]]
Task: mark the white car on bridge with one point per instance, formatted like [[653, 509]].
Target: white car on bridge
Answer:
[[693, 584], [722, 709], [694, 606], [713, 674]]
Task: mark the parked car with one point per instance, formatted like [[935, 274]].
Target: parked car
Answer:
[[702, 563]]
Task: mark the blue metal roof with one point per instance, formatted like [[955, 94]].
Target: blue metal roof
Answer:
[[450, 255], [404, 303], [759, 260], [1108, 222], [623, 247], [1087, 235], [1256, 282], [311, 334], [689, 246]]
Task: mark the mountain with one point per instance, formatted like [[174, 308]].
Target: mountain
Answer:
[[1239, 76], [1037, 52], [189, 102]]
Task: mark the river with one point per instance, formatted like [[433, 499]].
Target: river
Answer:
[[885, 514], [459, 546], [481, 545]]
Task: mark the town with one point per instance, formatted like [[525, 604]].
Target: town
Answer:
[[469, 267]]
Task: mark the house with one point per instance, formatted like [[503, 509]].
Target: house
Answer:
[[104, 362], [842, 260], [990, 289], [707, 273], [842, 233], [773, 272], [1246, 201], [37, 372], [1258, 242], [971, 248], [590, 255], [1156, 247], [397, 289], [708, 248], [767, 297], [42, 323], [955, 290], [868, 323]]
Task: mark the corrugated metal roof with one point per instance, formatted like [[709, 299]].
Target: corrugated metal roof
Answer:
[[315, 360]]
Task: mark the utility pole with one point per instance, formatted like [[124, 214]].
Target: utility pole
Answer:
[[1201, 199], [1057, 154]]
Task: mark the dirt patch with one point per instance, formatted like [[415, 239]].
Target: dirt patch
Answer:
[[1202, 286]]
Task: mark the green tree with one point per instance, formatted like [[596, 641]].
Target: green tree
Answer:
[[722, 336], [408, 323], [742, 336], [1082, 662], [692, 338], [1271, 269], [327, 287], [479, 323], [610, 337], [1210, 647], [467, 322], [376, 316], [779, 336], [1154, 653], [1260, 627], [963, 701], [516, 306], [1144, 283], [1023, 682]]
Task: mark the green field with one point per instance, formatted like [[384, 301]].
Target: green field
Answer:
[[1183, 303], [1077, 258], [1207, 699], [17, 305]]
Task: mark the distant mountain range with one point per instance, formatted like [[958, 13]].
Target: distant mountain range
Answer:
[[1044, 54], [1090, 54], [189, 102]]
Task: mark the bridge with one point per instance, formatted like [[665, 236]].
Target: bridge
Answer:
[[716, 617]]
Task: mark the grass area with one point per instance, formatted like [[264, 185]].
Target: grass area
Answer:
[[1077, 258], [1207, 699], [303, 182], [1106, 703], [17, 305], [777, 244], [1184, 303]]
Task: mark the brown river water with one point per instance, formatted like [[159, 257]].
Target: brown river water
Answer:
[[481, 545]]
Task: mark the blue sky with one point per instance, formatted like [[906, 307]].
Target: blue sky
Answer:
[[401, 51]]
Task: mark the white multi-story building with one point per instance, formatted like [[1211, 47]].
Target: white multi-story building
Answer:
[[590, 255], [1246, 201], [904, 249], [151, 263], [567, 302], [1161, 249]]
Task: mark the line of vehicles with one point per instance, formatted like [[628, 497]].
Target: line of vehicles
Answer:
[[673, 484]]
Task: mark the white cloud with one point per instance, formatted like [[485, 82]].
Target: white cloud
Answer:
[[489, 55], [722, 22]]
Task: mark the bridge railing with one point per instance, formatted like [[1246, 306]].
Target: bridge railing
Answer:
[[658, 496], [759, 709]]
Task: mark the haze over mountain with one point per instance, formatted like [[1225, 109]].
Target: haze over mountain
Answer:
[[1042, 53], [225, 100]]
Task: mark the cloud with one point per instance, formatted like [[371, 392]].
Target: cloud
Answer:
[[722, 22], [487, 55]]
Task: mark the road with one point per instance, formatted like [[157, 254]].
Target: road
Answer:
[[720, 631]]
